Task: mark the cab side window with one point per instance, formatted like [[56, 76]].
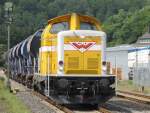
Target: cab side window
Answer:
[[87, 26], [57, 27]]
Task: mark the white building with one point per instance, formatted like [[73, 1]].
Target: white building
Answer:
[[125, 57], [138, 55], [118, 58], [141, 51]]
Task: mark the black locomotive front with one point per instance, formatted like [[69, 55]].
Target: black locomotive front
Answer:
[[82, 90]]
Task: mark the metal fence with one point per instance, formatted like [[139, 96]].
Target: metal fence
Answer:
[[141, 75]]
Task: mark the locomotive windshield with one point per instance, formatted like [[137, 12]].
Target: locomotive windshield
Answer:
[[87, 26], [57, 27]]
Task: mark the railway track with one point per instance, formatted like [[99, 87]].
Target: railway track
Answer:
[[21, 88], [68, 110], [119, 105], [62, 108], [125, 105], [134, 96], [113, 105], [58, 106], [104, 110]]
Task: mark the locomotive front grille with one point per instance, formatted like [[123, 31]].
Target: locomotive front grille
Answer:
[[82, 56], [73, 62], [92, 63]]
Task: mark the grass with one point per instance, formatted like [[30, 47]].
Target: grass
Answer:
[[9, 103], [127, 85]]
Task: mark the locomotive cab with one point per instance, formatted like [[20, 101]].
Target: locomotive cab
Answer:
[[72, 61]]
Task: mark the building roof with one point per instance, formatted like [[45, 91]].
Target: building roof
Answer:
[[123, 47], [146, 35], [144, 40]]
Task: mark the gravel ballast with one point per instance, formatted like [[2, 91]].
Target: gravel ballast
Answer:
[[36, 104]]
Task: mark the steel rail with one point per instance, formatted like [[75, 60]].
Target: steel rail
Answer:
[[134, 96], [62, 108], [104, 110]]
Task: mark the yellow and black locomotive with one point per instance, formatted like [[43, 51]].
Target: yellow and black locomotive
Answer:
[[66, 61]]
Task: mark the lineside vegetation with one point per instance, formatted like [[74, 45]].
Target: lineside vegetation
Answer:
[[9, 103]]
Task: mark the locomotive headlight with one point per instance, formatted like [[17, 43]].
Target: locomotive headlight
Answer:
[[104, 68], [61, 64], [61, 68]]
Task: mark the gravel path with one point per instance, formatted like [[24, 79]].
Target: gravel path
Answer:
[[35, 104]]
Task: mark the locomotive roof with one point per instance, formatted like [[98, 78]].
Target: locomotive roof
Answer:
[[61, 18]]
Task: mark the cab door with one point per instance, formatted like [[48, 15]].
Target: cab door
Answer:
[[53, 46], [56, 28], [45, 59], [45, 53]]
